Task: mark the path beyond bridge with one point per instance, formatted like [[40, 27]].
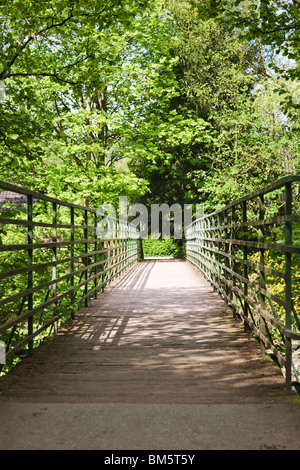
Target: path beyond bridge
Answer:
[[156, 362]]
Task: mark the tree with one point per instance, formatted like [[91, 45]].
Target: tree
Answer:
[[273, 25], [57, 59], [127, 98]]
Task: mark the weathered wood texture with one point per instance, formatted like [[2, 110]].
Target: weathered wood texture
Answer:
[[161, 335]]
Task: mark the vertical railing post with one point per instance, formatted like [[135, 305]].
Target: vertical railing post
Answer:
[[208, 245], [141, 249], [107, 246], [245, 267], [102, 253], [54, 255], [213, 252], [288, 285], [95, 256], [86, 257], [100, 234], [72, 255], [219, 247], [30, 273], [262, 280], [203, 243], [115, 250], [232, 261], [226, 250]]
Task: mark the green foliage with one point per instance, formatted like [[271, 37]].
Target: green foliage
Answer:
[[161, 101], [272, 25], [132, 97], [63, 68], [224, 132], [162, 247]]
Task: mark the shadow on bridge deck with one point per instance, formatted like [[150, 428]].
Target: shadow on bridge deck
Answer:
[[159, 344]]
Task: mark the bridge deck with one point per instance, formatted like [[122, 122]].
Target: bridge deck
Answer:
[[159, 336]]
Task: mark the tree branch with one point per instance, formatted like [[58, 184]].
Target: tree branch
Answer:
[[4, 73], [276, 30], [41, 74]]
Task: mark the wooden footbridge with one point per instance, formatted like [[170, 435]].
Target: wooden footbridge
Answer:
[[219, 328]]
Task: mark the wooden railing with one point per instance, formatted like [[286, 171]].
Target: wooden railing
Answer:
[[250, 252], [53, 260]]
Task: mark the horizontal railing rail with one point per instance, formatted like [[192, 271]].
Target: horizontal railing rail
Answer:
[[55, 256], [250, 252]]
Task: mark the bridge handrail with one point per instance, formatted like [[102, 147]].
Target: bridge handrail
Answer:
[[243, 249], [258, 192], [55, 257]]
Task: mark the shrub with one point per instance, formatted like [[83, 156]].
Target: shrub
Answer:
[[160, 248]]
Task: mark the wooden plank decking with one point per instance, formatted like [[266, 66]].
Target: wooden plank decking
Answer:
[[160, 335], [157, 362]]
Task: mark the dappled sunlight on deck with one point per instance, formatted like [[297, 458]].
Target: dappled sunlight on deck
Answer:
[[160, 335]]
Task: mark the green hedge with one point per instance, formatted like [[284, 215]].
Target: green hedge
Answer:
[[166, 247]]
